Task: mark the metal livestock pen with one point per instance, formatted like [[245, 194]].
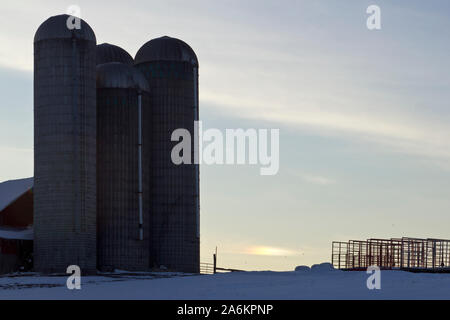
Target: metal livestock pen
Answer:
[[413, 254]]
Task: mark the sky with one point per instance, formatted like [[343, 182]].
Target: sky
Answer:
[[363, 115]]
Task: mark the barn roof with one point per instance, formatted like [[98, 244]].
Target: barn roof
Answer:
[[11, 190]]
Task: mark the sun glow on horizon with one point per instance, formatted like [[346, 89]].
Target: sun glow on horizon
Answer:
[[270, 251]]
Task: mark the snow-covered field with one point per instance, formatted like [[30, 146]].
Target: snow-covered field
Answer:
[[309, 284]]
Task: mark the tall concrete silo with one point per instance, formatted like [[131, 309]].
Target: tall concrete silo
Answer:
[[122, 180], [171, 67], [64, 146], [111, 53]]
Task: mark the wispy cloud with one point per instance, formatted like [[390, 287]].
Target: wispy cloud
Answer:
[[319, 180], [311, 177], [408, 135]]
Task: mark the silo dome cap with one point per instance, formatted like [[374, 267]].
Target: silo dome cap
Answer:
[[166, 49], [56, 28], [120, 75], [111, 53]]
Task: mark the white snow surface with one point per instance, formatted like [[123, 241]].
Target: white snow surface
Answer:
[[12, 189], [323, 284]]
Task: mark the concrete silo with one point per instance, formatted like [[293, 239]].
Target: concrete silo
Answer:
[[171, 67], [64, 146], [111, 53], [122, 228]]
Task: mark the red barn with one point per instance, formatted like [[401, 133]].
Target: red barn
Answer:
[[16, 225]]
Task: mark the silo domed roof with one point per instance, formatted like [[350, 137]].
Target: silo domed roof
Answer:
[[166, 49], [111, 53], [120, 75], [56, 28]]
